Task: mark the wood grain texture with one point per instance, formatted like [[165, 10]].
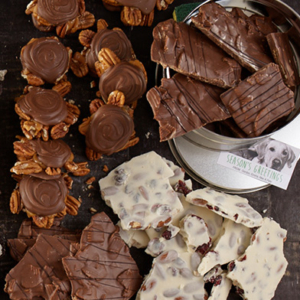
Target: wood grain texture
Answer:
[[15, 31]]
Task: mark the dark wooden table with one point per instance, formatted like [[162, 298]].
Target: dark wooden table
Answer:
[[15, 31]]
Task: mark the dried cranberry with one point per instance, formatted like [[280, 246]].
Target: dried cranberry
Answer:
[[167, 235], [181, 187], [218, 280]]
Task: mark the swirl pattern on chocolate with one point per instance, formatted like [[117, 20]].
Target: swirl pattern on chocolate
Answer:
[[146, 6], [42, 194], [57, 12], [109, 130], [126, 78], [46, 58], [115, 40], [44, 106], [53, 153]]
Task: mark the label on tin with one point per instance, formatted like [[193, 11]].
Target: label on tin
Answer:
[[269, 160]]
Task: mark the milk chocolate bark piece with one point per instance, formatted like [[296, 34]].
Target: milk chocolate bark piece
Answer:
[[103, 267], [187, 51], [40, 273], [44, 106], [235, 35], [126, 78], [46, 58], [109, 129], [259, 100], [283, 55], [18, 247], [182, 104]]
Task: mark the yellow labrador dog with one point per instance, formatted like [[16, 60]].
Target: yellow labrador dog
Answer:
[[273, 154]]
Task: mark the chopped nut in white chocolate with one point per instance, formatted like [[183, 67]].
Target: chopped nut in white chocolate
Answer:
[[258, 272], [221, 288], [178, 172], [195, 233], [171, 277], [231, 207], [232, 243], [140, 193]]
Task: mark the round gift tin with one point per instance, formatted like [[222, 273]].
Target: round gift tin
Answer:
[[198, 151]]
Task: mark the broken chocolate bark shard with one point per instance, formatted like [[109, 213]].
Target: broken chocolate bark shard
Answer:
[[239, 37], [259, 100], [283, 55], [187, 51], [103, 267], [182, 104]]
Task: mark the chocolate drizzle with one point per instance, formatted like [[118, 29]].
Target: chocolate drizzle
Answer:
[[57, 12], [146, 6], [53, 153], [109, 129], [126, 78], [115, 40], [46, 58], [42, 194], [44, 106]]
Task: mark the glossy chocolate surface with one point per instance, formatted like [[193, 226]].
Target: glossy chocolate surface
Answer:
[[46, 58], [53, 153], [115, 40], [44, 106], [182, 104], [187, 51], [42, 194], [259, 100], [234, 34], [109, 129], [126, 78], [57, 12]]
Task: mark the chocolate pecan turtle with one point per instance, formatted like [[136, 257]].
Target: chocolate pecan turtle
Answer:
[[110, 128], [44, 60], [114, 39], [43, 197], [44, 114], [64, 16], [36, 156]]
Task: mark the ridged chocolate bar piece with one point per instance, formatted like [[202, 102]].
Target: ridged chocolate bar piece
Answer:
[[239, 37], [259, 100], [283, 55], [182, 104], [187, 51]]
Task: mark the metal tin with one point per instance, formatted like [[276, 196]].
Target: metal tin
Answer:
[[198, 151]]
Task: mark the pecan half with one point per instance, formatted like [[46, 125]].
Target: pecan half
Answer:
[[26, 167], [45, 133], [68, 181], [107, 58], [78, 65], [86, 20], [63, 88], [30, 7], [32, 79], [23, 148], [53, 171], [15, 203], [83, 127], [73, 114], [81, 170], [101, 24], [163, 4], [85, 37], [71, 166], [116, 98], [21, 113], [72, 205], [31, 129], [95, 104], [92, 155], [59, 131], [131, 16], [43, 221], [147, 20]]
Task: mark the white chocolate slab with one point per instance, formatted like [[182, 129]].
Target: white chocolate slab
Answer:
[[171, 277], [233, 241], [261, 268], [179, 173], [221, 288], [232, 207], [194, 231], [139, 192]]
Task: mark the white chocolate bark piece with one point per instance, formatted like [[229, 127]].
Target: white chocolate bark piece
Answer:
[[213, 274], [171, 277], [139, 192], [195, 233], [134, 238], [221, 288], [179, 173], [258, 272], [231, 207], [232, 243]]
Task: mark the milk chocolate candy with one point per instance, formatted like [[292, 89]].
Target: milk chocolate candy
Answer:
[[258, 272], [283, 55], [232, 207], [40, 273], [103, 267], [187, 51], [182, 104], [259, 100], [239, 38], [146, 6]]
